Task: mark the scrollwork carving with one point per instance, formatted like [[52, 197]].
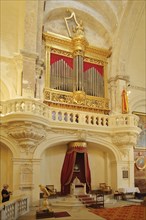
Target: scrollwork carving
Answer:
[[28, 137], [79, 97], [76, 99], [124, 141]]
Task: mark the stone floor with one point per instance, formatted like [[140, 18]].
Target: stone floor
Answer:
[[77, 212]]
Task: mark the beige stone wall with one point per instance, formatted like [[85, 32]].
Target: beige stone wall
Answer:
[[12, 40]]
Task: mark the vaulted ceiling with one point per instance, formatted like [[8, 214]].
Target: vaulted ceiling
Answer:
[[101, 19]]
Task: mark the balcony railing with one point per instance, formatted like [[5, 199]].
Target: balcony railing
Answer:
[[65, 116], [14, 208]]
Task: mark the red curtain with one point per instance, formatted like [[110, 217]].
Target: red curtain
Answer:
[[96, 66], [67, 173], [55, 57]]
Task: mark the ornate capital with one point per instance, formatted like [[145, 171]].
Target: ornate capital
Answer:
[[124, 141], [123, 138], [28, 136]]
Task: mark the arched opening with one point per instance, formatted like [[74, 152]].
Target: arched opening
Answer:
[[102, 162], [6, 165]]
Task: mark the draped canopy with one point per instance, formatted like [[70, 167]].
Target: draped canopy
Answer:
[[68, 174]]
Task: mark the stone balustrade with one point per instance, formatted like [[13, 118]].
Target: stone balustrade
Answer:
[[65, 116], [14, 208]]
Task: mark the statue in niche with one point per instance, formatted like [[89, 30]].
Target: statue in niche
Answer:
[[78, 28]]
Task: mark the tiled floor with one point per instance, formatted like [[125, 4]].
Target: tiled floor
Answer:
[[76, 212]]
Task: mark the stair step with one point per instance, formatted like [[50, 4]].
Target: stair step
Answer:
[[90, 199], [89, 202], [82, 196]]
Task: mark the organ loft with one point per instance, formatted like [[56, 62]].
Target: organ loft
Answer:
[[76, 73]]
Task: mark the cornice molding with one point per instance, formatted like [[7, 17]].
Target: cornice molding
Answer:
[[137, 88]]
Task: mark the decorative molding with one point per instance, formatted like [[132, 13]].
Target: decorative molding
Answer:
[[119, 77], [66, 43], [61, 52], [137, 88]]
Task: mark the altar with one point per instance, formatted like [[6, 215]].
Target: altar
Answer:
[[129, 190]]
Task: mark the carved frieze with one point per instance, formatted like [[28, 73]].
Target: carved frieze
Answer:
[[76, 99]]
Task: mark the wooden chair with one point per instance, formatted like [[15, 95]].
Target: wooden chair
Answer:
[[106, 189]]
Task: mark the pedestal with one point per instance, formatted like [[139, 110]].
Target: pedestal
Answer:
[[44, 214]]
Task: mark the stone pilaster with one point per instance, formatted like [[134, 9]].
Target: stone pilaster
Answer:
[[113, 94], [18, 60], [26, 176], [37, 180], [29, 74], [125, 141], [29, 52]]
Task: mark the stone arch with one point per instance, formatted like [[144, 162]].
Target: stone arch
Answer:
[[102, 27], [62, 139], [138, 104], [12, 147], [7, 153], [104, 147]]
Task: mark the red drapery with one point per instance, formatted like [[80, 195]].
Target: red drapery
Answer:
[[55, 57], [67, 173], [91, 65]]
